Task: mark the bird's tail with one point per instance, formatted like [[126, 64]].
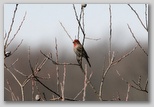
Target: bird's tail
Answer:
[[88, 62]]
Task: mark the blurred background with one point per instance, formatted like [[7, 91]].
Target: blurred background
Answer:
[[42, 26]]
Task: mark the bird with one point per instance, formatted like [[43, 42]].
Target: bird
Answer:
[[80, 52]]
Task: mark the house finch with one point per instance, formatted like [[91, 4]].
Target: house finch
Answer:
[[80, 52]]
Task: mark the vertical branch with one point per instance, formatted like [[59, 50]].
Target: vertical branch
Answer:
[[63, 84], [81, 12], [111, 57], [79, 23], [128, 90], [110, 33], [104, 75], [82, 9], [101, 84], [17, 30], [57, 67], [12, 22], [33, 82], [85, 83], [146, 15]]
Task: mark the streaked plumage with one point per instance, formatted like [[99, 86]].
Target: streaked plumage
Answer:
[[80, 51]]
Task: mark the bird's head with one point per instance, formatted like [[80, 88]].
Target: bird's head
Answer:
[[76, 42]]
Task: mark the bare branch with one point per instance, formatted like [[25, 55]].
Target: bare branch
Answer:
[[20, 72], [93, 38], [63, 84], [21, 86], [104, 75], [137, 16], [85, 83], [139, 88], [11, 91], [146, 15], [57, 68], [128, 90], [110, 33], [54, 62], [136, 40], [79, 24], [124, 56], [66, 31], [17, 30], [17, 47], [12, 22]]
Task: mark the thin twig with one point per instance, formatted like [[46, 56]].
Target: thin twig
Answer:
[[110, 33], [128, 90], [11, 91], [124, 56], [136, 40], [83, 87], [20, 72], [17, 30], [21, 86], [139, 89], [104, 75], [92, 38], [83, 26], [89, 82], [66, 31], [79, 23], [146, 15], [12, 22], [17, 47], [146, 85], [54, 62], [36, 78], [137, 16], [57, 67], [85, 83], [63, 84]]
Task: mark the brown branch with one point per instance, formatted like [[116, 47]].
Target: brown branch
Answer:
[[36, 78], [104, 75], [12, 22], [128, 90], [110, 33], [138, 84], [79, 24], [134, 87], [63, 84], [138, 16], [146, 18], [112, 63], [124, 56], [57, 63], [136, 40], [17, 30], [85, 83], [17, 47], [11, 91], [21, 86], [57, 68], [66, 31], [96, 39], [83, 87]]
